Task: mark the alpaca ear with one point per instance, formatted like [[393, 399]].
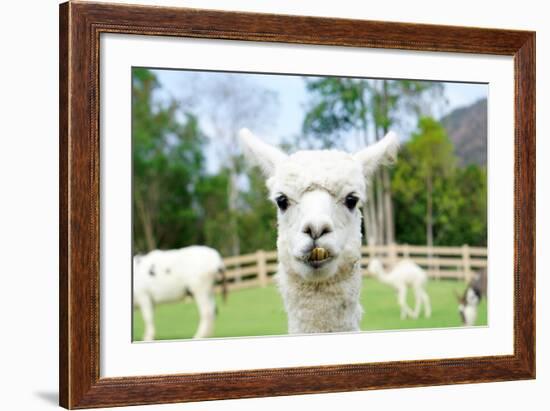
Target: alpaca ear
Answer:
[[262, 154], [382, 152]]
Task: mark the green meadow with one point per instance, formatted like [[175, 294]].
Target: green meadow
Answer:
[[259, 311]]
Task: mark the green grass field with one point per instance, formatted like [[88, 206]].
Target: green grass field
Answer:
[[259, 311]]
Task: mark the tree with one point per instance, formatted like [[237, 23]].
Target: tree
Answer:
[[391, 100], [438, 203], [168, 162], [258, 216], [352, 113], [470, 226], [338, 109], [458, 198], [178, 202], [227, 103], [211, 195], [433, 153]]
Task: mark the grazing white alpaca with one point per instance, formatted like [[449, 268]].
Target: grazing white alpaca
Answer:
[[170, 275], [318, 194], [405, 274]]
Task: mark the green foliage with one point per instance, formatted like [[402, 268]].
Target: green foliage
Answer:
[[471, 215], [258, 218], [211, 197], [168, 162], [363, 109], [459, 194], [259, 311], [339, 106], [176, 202], [431, 149]]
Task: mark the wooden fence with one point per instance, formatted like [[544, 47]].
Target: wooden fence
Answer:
[[257, 269]]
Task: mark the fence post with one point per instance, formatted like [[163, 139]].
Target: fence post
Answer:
[[392, 254], [406, 251], [433, 263], [262, 267], [466, 263], [368, 254]]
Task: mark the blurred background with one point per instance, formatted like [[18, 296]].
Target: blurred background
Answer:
[[191, 185]]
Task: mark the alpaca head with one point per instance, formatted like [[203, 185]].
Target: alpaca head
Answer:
[[318, 194], [469, 301], [375, 267], [468, 304]]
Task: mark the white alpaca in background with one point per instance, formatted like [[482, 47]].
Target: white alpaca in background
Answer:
[[170, 275], [319, 194], [405, 274]]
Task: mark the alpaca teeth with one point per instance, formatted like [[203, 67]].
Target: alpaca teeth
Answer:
[[318, 254]]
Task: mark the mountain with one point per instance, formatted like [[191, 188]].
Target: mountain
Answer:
[[467, 128]]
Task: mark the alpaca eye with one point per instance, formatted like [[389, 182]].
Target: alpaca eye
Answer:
[[351, 201], [282, 202]]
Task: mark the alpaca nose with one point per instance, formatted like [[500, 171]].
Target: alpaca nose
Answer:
[[317, 229]]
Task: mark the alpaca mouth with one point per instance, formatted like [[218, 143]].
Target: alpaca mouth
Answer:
[[318, 257]]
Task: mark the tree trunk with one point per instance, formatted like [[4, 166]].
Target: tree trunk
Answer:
[[369, 209], [429, 214], [379, 208], [146, 222], [232, 202], [366, 224], [375, 196], [388, 205], [373, 238], [369, 215]]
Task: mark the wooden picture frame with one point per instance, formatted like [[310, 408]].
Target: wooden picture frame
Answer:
[[80, 27]]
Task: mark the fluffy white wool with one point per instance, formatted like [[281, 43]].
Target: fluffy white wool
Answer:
[[316, 184], [322, 306], [168, 275]]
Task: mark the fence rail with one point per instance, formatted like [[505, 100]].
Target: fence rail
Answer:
[[257, 269]]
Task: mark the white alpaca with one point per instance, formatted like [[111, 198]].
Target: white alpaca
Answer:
[[170, 275], [318, 194], [405, 274]]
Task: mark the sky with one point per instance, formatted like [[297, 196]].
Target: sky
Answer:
[[292, 94], [292, 98]]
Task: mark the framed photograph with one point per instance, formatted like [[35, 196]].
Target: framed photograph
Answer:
[[260, 205]]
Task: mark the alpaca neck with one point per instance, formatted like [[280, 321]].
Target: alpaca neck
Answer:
[[384, 277], [326, 306]]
